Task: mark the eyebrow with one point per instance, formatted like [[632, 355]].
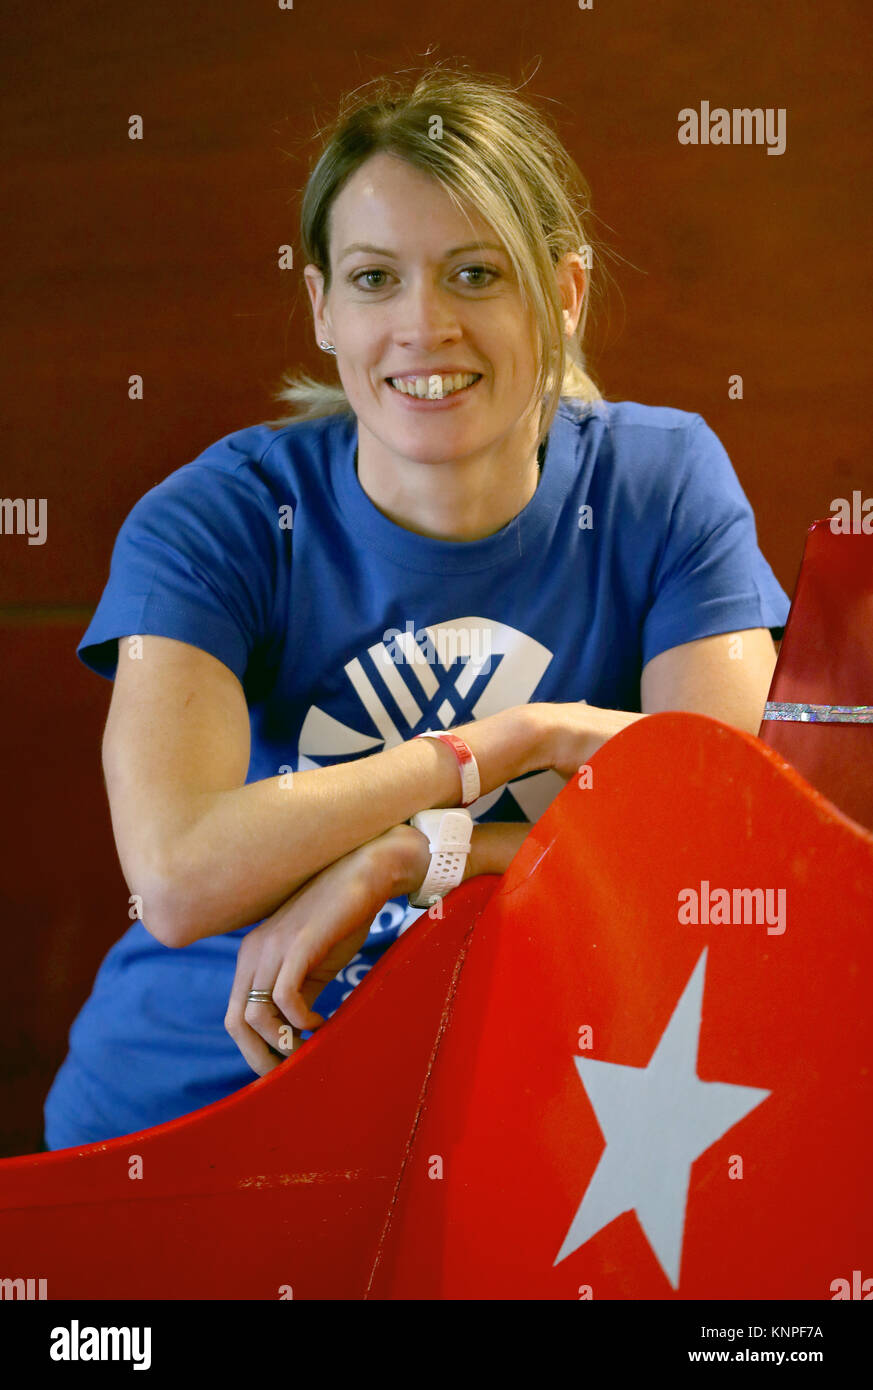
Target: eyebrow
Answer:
[[392, 255]]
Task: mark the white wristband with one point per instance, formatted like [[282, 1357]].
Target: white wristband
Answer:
[[448, 832]]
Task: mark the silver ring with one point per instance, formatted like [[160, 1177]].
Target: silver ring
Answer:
[[260, 996]]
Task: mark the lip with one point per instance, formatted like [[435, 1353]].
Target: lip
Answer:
[[450, 402], [430, 371]]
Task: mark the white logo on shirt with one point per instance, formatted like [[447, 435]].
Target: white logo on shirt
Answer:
[[396, 696]]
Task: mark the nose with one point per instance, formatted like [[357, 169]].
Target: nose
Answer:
[[426, 316]]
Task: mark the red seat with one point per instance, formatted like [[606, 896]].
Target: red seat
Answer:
[[826, 658]]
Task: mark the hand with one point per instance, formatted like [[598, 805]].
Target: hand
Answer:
[[311, 937], [302, 946], [535, 737], [573, 732]]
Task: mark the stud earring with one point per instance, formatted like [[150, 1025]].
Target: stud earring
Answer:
[[326, 347]]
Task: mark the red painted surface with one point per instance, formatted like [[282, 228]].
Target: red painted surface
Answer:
[[827, 659], [461, 1044]]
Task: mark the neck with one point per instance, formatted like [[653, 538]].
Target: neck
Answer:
[[457, 500]]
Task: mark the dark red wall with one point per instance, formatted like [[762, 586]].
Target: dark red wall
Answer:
[[158, 257]]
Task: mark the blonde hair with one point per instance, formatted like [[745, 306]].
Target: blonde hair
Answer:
[[493, 151]]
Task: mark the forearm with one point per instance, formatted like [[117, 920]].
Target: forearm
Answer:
[[249, 849], [405, 854]]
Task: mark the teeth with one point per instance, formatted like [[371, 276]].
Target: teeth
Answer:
[[434, 387]]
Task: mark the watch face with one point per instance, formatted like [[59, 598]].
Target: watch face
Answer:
[[455, 834], [428, 822]]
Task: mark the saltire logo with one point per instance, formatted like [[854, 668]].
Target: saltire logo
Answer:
[[437, 676]]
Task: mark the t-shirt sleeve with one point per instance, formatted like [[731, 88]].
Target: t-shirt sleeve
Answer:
[[711, 576], [195, 560]]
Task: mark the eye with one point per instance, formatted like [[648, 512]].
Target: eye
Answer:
[[482, 270], [356, 277]]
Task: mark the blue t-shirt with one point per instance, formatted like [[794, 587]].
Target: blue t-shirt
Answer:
[[266, 552]]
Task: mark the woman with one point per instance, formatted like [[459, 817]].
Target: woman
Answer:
[[274, 607]]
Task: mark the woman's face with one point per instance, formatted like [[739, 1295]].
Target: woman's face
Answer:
[[411, 296]]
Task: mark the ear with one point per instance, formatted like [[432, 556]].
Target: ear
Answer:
[[315, 285], [572, 284]]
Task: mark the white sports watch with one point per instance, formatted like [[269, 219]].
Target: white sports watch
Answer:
[[448, 832]]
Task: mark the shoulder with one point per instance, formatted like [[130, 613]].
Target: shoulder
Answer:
[[265, 453], [251, 470], [645, 448], [271, 446], [631, 426]]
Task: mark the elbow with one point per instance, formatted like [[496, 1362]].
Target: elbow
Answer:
[[159, 901], [167, 931], [180, 901]]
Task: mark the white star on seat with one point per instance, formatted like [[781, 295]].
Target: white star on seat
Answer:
[[656, 1121]]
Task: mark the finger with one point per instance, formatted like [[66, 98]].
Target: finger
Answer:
[[293, 996], [253, 1046], [298, 983], [272, 1020], [291, 1038]]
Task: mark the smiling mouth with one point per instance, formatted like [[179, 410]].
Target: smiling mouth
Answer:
[[434, 388]]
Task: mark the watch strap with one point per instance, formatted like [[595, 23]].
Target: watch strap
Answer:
[[448, 831]]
